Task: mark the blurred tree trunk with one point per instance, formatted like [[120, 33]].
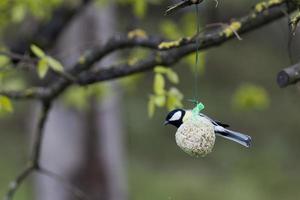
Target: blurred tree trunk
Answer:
[[111, 143], [109, 122], [62, 151], [87, 150]]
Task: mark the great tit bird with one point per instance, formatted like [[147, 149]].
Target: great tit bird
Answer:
[[182, 4], [196, 134]]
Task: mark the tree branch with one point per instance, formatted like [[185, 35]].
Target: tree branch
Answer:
[[32, 93], [34, 162], [75, 190], [173, 54], [255, 19], [92, 56], [37, 144], [15, 184], [48, 32], [289, 76], [169, 56]]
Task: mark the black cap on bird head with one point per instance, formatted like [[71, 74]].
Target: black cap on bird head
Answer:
[[175, 117]]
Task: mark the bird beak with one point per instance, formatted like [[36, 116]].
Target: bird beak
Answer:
[[166, 123]]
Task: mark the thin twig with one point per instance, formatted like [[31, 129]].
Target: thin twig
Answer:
[[73, 188], [34, 162], [31, 93], [18, 57], [31, 64], [37, 143], [15, 184]]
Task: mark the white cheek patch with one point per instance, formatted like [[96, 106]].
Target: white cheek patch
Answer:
[[176, 116]]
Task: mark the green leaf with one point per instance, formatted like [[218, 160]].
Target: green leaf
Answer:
[[250, 97], [130, 83], [4, 60], [98, 90], [170, 30], [151, 107], [175, 98], [5, 105], [159, 84], [18, 13], [14, 83], [55, 64], [172, 76], [2, 75], [160, 100], [140, 8], [76, 97], [42, 67], [37, 51], [161, 69]]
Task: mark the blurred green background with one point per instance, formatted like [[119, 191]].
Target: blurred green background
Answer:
[[157, 168]]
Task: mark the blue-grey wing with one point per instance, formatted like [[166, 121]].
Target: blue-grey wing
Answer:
[[216, 123]]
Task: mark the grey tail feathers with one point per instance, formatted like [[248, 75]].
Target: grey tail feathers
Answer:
[[240, 138]]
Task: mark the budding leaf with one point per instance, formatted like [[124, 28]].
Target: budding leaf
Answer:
[[159, 84], [170, 29], [18, 13], [5, 105], [4, 60], [250, 97], [161, 69], [55, 64], [151, 107], [76, 97], [172, 76], [37, 51], [42, 67], [160, 100], [140, 8], [174, 99]]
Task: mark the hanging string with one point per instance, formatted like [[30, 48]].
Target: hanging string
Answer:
[[197, 56]]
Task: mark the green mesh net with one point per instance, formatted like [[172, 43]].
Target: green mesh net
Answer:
[[198, 108]]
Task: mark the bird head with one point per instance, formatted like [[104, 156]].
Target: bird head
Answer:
[[175, 117]]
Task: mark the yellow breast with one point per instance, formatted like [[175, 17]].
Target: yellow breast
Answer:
[[187, 116]]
